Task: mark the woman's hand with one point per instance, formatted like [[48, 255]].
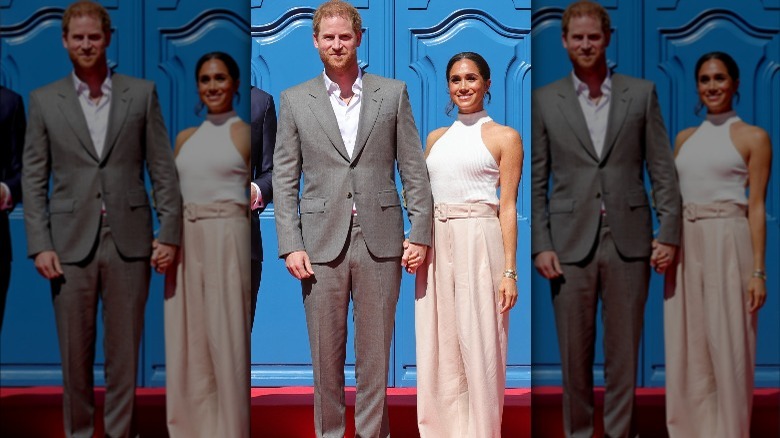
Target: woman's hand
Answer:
[[756, 294], [507, 292]]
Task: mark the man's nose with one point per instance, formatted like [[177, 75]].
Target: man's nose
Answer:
[[337, 44]]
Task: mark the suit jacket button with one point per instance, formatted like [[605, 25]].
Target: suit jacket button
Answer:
[[98, 196], [598, 195], [349, 195]]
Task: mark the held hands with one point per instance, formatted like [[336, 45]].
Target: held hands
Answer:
[[546, 262], [298, 264], [48, 265], [662, 256], [414, 256], [163, 256], [756, 294]]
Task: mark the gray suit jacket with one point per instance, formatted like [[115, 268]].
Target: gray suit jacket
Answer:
[[565, 218], [65, 217], [308, 142]]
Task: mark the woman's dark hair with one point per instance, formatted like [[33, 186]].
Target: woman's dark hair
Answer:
[[731, 67], [482, 66], [229, 62]]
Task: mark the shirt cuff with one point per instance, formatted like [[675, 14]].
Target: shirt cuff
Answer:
[[8, 201], [259, 201]]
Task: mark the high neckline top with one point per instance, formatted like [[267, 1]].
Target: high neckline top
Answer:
[[218, 119], [709, 166], [210, 167], [460, 166]]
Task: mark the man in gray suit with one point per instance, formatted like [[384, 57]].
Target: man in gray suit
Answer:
[[593, 135], [344, 131], [90, 233]]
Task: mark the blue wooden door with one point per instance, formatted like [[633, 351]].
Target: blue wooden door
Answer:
[[176, 34], [550, 64], [428, 34], [31, 55], [750, 32], [661, 40], [157, 39], [405, 40], [283, 55]]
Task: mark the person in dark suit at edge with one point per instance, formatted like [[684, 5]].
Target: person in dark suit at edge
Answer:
[[263, 118], [12, 126]]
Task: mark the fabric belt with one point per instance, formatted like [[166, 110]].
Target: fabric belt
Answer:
[[193, 212], [443, 212], [694, 212]]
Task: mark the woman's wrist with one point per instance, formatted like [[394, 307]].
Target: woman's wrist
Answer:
[[759, 273], [510, 273]]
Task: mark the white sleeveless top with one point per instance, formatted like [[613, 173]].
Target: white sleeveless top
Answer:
[[709, 166], [210, 167], [460, 166]]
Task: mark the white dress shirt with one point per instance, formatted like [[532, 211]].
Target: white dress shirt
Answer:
[[347, 114], [96, 113], [596, 112]]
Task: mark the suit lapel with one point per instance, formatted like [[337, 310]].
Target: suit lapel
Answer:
[[120, 102], [369, 110], [323, 111], [71, 109], [617, 113], [571, 110]]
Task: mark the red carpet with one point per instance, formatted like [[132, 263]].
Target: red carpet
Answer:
[[287, 412]]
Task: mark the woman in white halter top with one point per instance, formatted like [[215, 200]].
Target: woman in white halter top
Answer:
[[207, 314], [717, 284], [467, 284]]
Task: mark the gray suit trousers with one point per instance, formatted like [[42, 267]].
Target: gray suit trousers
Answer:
[[621, 284], [123, 286], [373, 285]]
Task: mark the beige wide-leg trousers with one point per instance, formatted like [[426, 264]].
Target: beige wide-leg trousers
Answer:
[[461, 336], [207, 325], [710, 334]]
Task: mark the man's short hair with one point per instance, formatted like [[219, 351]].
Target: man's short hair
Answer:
[[337, 8], [586, 8], [89, 8]]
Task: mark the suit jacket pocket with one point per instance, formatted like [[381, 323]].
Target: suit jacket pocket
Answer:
[[561, 206], [636, 200], [137, 198], [389, 198], [61, 206], [312, 205]]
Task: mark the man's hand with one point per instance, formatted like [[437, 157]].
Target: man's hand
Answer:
[[414, 256], [298, 264], [662, 256], [163, 256], [546, 262], [48, 265], [253, 198]]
